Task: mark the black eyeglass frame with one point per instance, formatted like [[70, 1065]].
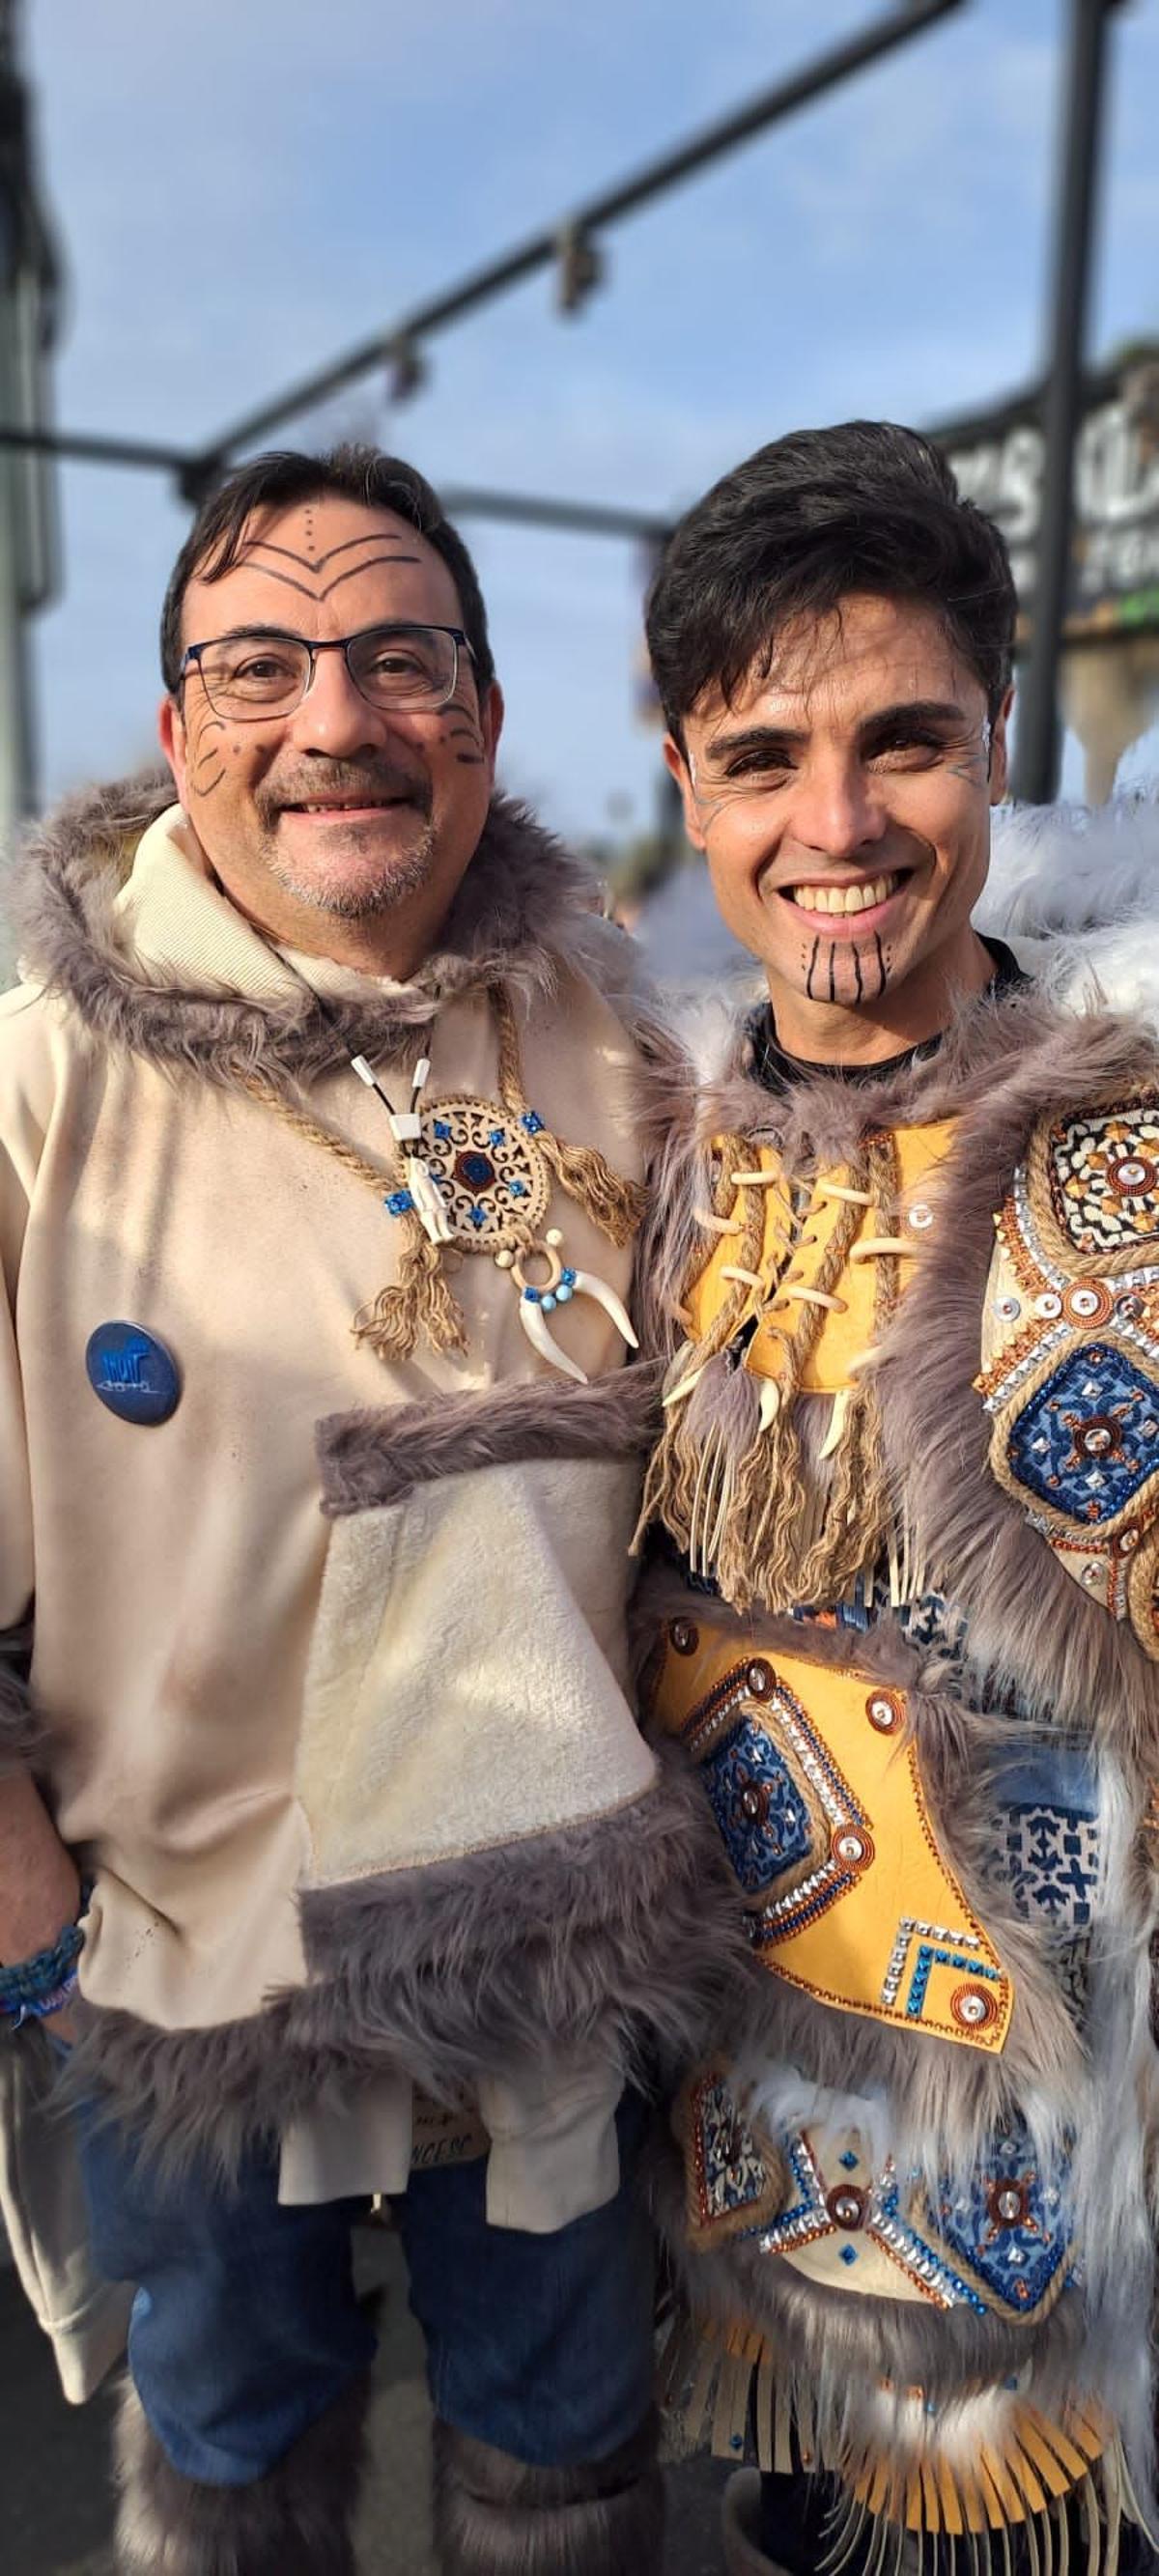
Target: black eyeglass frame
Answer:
[[343, 644]]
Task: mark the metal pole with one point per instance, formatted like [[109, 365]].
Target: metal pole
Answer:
[[1038, 735], [900, 23]]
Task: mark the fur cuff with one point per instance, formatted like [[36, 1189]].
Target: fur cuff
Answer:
[[378, 1456], [293, 2522], [495, 2516], [602, 1941]]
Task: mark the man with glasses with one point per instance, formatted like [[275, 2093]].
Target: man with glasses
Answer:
[[330, 1854], [905, 1559]]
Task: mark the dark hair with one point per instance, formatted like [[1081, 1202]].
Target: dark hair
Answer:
[[283, 477], [801, 526]]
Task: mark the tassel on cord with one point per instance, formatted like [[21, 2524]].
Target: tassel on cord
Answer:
[[420, 1302], [615, 1205], [671, 1484]]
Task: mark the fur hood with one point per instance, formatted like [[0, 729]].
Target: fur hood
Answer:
[[526, 913]]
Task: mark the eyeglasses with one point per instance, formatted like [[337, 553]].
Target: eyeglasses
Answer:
[[260, 672]]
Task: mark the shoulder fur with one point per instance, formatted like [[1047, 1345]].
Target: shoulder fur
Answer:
[[526, 913]]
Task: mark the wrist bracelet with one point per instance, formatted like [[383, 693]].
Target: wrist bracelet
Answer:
[[44, 2005], [37, 1985]]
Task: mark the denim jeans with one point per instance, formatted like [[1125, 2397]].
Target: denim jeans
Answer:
[[245, 2325]]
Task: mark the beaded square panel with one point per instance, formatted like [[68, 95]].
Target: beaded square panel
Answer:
[[817, 1792], [1104, 1178]]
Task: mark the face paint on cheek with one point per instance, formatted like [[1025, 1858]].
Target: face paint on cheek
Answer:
[[207, 766], [468, 732], [812, 968]]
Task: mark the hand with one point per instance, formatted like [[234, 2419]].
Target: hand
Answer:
[[39, 1880]]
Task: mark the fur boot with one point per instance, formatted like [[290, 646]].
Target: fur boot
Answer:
[[494, 2516], [294, 2522]]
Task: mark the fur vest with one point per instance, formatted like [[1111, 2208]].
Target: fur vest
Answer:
[[902, 1617]]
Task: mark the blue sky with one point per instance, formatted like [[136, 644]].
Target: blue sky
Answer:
[[245, 188]]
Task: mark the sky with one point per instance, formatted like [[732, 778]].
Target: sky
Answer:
[[245, 189]]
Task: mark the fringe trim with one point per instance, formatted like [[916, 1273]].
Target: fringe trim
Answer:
[[723, 2387], [419, 1303], [733, 1482]]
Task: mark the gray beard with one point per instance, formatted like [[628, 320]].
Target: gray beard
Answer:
[[361, 903]]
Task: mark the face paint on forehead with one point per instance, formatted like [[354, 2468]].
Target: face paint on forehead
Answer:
[[313, 585]]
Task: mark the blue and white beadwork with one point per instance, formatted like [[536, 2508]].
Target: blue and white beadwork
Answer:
[[1086, 1443], [1011, 2225], [762, 1817]]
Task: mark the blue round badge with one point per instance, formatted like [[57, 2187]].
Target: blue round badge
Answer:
[[133, 1373]]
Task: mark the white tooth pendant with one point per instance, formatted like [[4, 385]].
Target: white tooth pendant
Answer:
[[539, 1298], [427, 1199]]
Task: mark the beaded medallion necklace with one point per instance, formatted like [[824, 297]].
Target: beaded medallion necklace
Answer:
[[476, 1177]]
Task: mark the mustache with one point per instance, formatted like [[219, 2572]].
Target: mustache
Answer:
[[370, 780]]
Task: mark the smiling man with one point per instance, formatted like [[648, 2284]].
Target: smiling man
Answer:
[[328, 1839], [901, 1603]]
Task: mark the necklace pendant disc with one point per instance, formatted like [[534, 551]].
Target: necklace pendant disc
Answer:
[[492, 1180]]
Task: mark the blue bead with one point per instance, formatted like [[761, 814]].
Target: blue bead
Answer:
[[399, 1203], [563, 1292], [548, 1302], [849, 2254], [569, 1278], [532, 1121], [531, 1296], [498, 1136]]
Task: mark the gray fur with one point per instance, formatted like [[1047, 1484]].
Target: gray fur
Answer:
[[380, 1454], [526, 912], [295, 2521], [1070, 1660], [498, 2516], [601, 1938]]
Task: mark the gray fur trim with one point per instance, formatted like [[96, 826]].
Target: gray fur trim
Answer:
[[882, 1653], [1069, 1661], [21, 1734], [1010, 1046], [526, 911], [295, 2521], [380, 1454], [498, 2516], [603, 1938]]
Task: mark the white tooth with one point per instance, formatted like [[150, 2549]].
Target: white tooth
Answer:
[[857, 899]]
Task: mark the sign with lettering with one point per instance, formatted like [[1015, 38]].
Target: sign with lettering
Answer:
[[998, 459]]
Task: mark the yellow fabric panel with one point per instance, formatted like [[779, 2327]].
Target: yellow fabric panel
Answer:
[[846, 1334], [872, 1918]]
